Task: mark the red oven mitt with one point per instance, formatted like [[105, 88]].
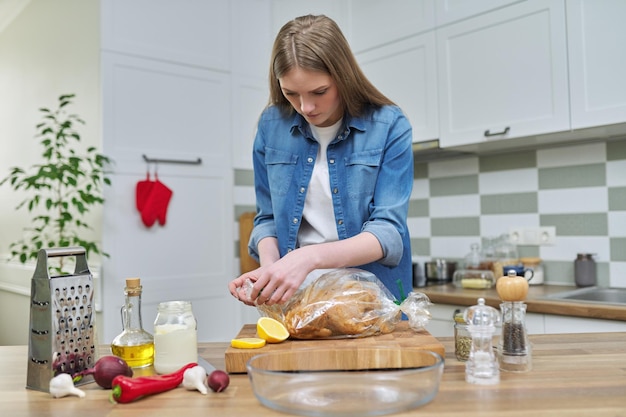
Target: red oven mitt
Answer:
[[142, 192], [155, 206]]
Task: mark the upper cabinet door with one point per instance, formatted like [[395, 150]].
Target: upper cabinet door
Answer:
[[597, 57], [503, 74], [406, 72], [448, 11], [194, 33], [375, 23]]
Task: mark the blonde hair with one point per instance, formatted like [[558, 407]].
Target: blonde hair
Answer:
[[316, 43]]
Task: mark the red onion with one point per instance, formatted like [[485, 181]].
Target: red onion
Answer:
[[105, 369], [218, 380]]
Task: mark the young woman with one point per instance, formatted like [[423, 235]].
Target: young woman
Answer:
[[333, 170]]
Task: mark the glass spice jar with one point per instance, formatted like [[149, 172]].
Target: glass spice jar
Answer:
[[462, 337]]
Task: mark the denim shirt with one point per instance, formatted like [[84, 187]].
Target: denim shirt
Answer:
[[370, 165]]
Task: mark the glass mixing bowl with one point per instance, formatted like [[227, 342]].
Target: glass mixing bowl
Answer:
[[345, 382]]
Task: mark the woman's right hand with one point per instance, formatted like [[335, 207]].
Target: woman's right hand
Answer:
[[237, 286], [274, 283]]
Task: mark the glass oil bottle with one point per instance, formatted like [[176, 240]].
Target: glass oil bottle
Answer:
[[134, 345]]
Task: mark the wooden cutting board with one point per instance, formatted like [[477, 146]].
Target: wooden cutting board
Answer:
[[402, 336]]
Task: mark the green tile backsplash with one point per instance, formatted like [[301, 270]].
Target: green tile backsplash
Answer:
[[418, 208], [458, 226], [616, 150], [617, 198], [593, 175], [586, 224], [502, 162], [508, 203], [449, 186]]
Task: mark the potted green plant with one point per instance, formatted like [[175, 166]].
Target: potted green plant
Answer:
[[61, 190]]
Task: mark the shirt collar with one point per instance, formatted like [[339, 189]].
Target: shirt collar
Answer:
[[299, 122]]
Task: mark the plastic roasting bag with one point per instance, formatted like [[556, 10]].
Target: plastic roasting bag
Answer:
[[346, 303]]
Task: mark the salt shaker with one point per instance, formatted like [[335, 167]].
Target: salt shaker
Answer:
[[482, 366]]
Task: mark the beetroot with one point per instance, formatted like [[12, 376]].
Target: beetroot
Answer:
[[218, 380], [105, 369]]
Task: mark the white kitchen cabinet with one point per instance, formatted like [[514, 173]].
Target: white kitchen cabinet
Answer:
[[406, 71], [442, 325], [569, 324], [192, 34], [449, 11], [597, 61], [375, 23], [503, 74]]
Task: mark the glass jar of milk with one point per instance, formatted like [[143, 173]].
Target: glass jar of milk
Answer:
[[175, 336]]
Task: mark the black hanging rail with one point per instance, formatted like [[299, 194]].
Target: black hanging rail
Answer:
[[172, 161]]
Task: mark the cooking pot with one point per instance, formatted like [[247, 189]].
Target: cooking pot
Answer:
[[440, 271]]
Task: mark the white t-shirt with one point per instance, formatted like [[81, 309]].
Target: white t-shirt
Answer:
[[318, 216]]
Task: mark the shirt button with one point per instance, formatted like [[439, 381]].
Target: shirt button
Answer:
[[335, 190], [339, 137], [295, 220], [301, 189], [340, 222], [309, 160], [332, 161], [289, 250]]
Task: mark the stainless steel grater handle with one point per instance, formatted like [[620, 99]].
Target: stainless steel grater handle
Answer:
[[78, 251]]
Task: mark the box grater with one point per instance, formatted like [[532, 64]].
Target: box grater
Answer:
[[62, 318]]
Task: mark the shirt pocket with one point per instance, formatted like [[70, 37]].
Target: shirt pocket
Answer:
[[280, 168], [362, 172]]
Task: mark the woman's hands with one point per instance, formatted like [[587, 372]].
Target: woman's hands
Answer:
[[278, 279], [274, 283]]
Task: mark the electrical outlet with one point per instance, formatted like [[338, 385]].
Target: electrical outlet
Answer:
[[533, 236]]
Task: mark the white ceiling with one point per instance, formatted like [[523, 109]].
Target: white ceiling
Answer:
[[9, 10]]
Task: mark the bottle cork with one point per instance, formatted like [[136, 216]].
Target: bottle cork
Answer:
[[133, 286]]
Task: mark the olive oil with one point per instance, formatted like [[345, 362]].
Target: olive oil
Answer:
[[135, 356], [134, 345]]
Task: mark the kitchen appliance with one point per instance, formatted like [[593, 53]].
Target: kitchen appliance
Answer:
[[62, 319], [439, 271]]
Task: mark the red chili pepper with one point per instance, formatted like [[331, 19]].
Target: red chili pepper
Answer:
[[125, 389]]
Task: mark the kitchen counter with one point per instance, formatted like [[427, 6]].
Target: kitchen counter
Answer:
[[573, 375], [536, 301]]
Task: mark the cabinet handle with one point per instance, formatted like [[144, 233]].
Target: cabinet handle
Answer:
[[504, 132]]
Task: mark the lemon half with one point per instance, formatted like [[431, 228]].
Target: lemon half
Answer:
[[271, 330]]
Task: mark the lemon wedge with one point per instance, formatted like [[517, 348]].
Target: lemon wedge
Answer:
[[247, 343], [271, 330]]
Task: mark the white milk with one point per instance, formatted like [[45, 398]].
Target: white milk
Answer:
[[175, 345]]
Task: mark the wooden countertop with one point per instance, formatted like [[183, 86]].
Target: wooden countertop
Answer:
[[573, 375], [536, 302]]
